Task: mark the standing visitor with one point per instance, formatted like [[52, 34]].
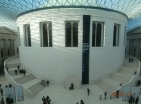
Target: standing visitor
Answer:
[[105, 94]]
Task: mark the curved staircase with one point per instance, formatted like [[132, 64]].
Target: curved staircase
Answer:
[[29, 81], [123, 75]]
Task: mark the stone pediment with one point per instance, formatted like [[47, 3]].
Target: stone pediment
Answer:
[[4, 30], [135, 31]]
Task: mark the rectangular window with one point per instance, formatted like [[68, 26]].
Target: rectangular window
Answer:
[[124, 41], [46, 34], [116, 35], [2, 54], [97, 34], [71, 33], [19, 36], [27, 35]]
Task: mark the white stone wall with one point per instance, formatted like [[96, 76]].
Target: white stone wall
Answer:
[[57, 62]]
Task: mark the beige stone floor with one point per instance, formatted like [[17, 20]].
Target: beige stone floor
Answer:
[[59, 95]]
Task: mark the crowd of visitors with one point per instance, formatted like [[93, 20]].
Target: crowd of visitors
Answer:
[[133, 100], [21, 71], [46, 100], [131, 60], [2, 70], [45, 83]]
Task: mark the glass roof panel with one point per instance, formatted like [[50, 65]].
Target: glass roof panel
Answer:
[[9, 9]]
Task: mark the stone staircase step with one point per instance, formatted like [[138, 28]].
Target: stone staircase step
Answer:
[[118, 78], [112, 82], [127, 70], [106, 86], [127, 64], [36, 88], [19, 75], [25, 79], [12, 72], [127, 76]]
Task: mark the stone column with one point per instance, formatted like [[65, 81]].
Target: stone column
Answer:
[[137, 48], [139, 52], [130, 47], [13, 47], [5, 48], [0, 54]]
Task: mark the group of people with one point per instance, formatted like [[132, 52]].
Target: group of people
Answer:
[[132, 100], [105, 95], [138, 82], [71, 87], [2, 101], [9, 100], [21, 71], [45, 83], [81, 102], [1, 90], [2, 70], [131, 60], [46, 100]]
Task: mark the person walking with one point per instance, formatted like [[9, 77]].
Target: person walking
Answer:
[[117, 93], [2, 101], [100, 97], [88, 90], [137, 100], [18, 67], [47, 83], [133, 99], [129, 101], [1, 91], [129, 59], [105, 94], [24, 72], [44, 100], [72, 87], [81, 102], [16, 72]]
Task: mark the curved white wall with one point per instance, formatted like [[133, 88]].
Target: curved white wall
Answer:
[[57, 62]]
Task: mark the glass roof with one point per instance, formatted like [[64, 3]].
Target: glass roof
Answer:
[[9, 9]]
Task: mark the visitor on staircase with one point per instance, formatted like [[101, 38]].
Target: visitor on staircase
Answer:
[[105, 94]]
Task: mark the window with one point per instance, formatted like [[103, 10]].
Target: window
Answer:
[[46, 34], [97, 34], [27, 35], [2, 54], [124, 41], [116, 35], [71, 33], [19, 36]]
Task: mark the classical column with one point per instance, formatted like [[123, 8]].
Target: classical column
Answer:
[[12, 47], [139, 52], [0, 54], [5, 48], [130, 47], [137, 48], [13, 43]]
